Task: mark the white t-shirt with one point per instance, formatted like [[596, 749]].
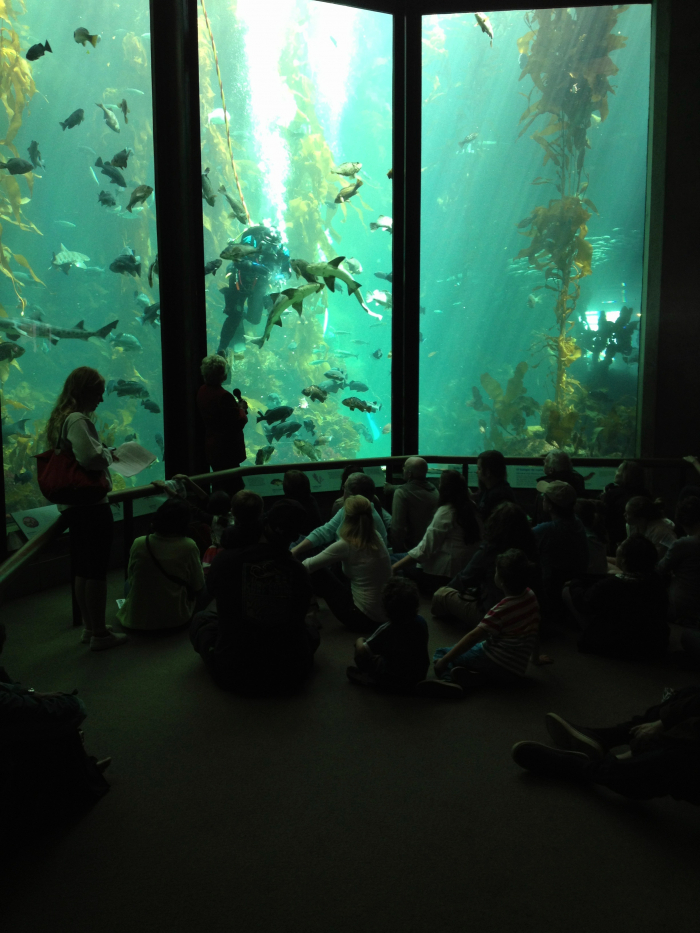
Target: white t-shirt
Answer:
[[367, 569], [442, 551]]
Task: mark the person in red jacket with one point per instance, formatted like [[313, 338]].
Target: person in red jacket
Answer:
[[224, 415]]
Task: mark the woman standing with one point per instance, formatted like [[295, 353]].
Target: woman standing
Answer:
[[451, 539], [70, 428], [366, 563], [224, 418]]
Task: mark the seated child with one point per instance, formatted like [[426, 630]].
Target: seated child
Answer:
[[506, 639], [624, 616], [395, 656], [247, 528]]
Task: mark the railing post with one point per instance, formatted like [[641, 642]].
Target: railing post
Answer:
[[127, 532]]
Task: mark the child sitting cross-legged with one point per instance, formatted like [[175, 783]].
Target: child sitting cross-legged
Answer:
[[507, 638], [395, 657]]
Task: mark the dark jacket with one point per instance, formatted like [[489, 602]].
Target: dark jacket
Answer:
[[223, 423], [563, 476], [488, 499]]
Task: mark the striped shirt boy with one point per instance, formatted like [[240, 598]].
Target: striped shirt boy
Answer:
[[510, 631]]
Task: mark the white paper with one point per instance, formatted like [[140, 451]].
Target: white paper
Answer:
[[133, 458]]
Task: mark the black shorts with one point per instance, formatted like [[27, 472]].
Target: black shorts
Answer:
[[91, 529]]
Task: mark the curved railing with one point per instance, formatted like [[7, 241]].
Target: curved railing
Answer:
[[11, 567]]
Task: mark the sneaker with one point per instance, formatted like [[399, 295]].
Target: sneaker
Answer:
[[357, 676], [568, 737], [110, 640], [87, 635], [467, 679], [551, 762], [440, 689]]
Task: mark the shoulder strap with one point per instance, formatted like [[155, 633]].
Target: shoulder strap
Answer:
[[173, 579]]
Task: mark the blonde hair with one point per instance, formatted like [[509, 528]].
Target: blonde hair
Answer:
[[72, 399], [358, 528], [214, 369]]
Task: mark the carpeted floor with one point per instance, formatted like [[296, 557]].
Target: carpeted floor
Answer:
[[340, 809]]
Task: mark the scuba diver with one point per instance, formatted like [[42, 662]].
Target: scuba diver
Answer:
[[249, 280]]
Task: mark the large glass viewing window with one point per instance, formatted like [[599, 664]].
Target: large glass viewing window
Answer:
[[296, 122], [78, 230], [534, 162]]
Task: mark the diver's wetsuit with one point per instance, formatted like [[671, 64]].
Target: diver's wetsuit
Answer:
[[250, 280]]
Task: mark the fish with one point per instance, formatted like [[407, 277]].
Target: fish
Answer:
[[357, 403], [357, 386], [130, 437], [217, 117], [381, 298], [125, 341], [263, 455], [377, 354], [124, 107], [161, 444], [152, 269], [106, 198], [140, 194], [120, 159], [383, 223], [17, 166], [237, 251], [73, 120], [353, 265], [211, 267], [468, 139], [274, 400], [387, 276], [485, 25], [114, 175], [386, 429], [344, 354], [239, 211], [348, 192], [322, 441], [124, 387], [27, 327], [150, 405], [10, 351], [94, 177], [309, 425], [533, 300], [292, 346], [303, 447], [35, 155], [315, 393], [67, 258], [37, 51], [293, 297], [65, 223], [110, 119], [127, 263], [332, 385], [342, 333], [523, 59], [279, 431], [151, 315], [318, 362], [361, 342], [81, 36], [390, 173], [364, 431], [17, 428], [207, 190], [24, 477], [526, 222], [300, 266], [275, 414], [349, 169], [336, 375], [330, 271]]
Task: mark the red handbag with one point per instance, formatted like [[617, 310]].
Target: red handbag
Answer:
[[63, 481]]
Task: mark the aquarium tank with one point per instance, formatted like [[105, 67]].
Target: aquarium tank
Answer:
[[296, 126], [534, 162], [78, 228]]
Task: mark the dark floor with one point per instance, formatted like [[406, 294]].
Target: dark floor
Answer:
[[340, 810]]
